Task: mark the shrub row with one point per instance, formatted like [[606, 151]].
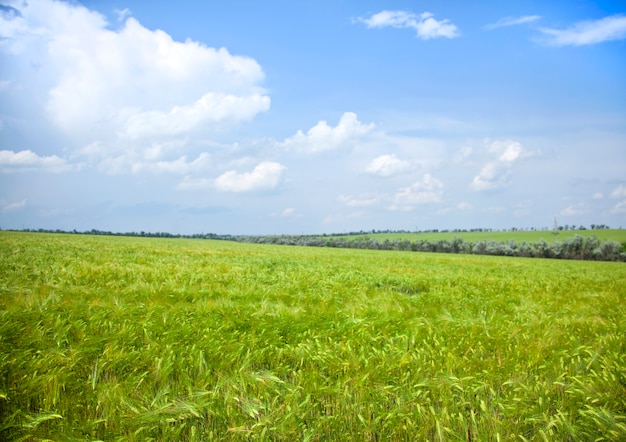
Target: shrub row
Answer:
[[577, 247]]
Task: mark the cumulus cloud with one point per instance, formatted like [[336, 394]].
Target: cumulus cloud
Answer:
[[388, 165], [29, 161], [133, 80], [323, 137], [588, 32], [265, 176], [495, 173], [424, 24], [513, 21], [428, 190]]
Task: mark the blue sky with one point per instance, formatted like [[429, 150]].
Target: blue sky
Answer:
[[274, 117]]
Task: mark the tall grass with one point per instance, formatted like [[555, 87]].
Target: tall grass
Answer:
[[144, 339]]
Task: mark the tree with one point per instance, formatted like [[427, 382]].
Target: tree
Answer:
[[555, 230]]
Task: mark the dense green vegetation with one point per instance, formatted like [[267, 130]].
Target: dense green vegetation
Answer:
[[117, 338], [529, 236], [598, 244], [575, 247]]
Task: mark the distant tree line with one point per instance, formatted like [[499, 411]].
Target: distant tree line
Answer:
[[576, 247]]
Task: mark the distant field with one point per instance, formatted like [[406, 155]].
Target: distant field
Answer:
[[618, 235], [133, 339]]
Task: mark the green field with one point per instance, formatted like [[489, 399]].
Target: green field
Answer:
[[133, 339], [618, 235]]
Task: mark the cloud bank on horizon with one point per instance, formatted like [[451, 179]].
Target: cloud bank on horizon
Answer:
[[224, 125]]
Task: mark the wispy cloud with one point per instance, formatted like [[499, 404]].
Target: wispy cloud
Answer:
[[588, 32], [122, 14], [359, 201], [619, 207], [189, 183], [424, 24], [289, 212], [619, 192], [13, 207], [428, 190], [151, 160], [460, 207], [495, 173], [574, 210], [513, 21]]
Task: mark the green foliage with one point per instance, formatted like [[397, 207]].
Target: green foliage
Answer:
[[136, 339], [575, 247]]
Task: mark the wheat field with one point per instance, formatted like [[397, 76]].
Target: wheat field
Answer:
[[137, 339]]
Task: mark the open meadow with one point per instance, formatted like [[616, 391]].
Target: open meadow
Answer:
[[133, 339]]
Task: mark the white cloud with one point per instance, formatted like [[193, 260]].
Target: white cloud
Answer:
[[495, 173], [29, 161], [511, 152], [189, 183], [150, 159], [425, 25], [13, 207], [131, 80], [619, 207], [513, 21], [388, 165], [597, 196], [461, 207], [323, 137], [211, 108], [574, 210], [122, 14], [462, 154], [178, 166], [619, 192], [288, 212], [265, 176], [588, 32], [361, 201], [428, 190]]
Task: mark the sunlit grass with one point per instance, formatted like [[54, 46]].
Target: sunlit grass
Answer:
[[144, 339]]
